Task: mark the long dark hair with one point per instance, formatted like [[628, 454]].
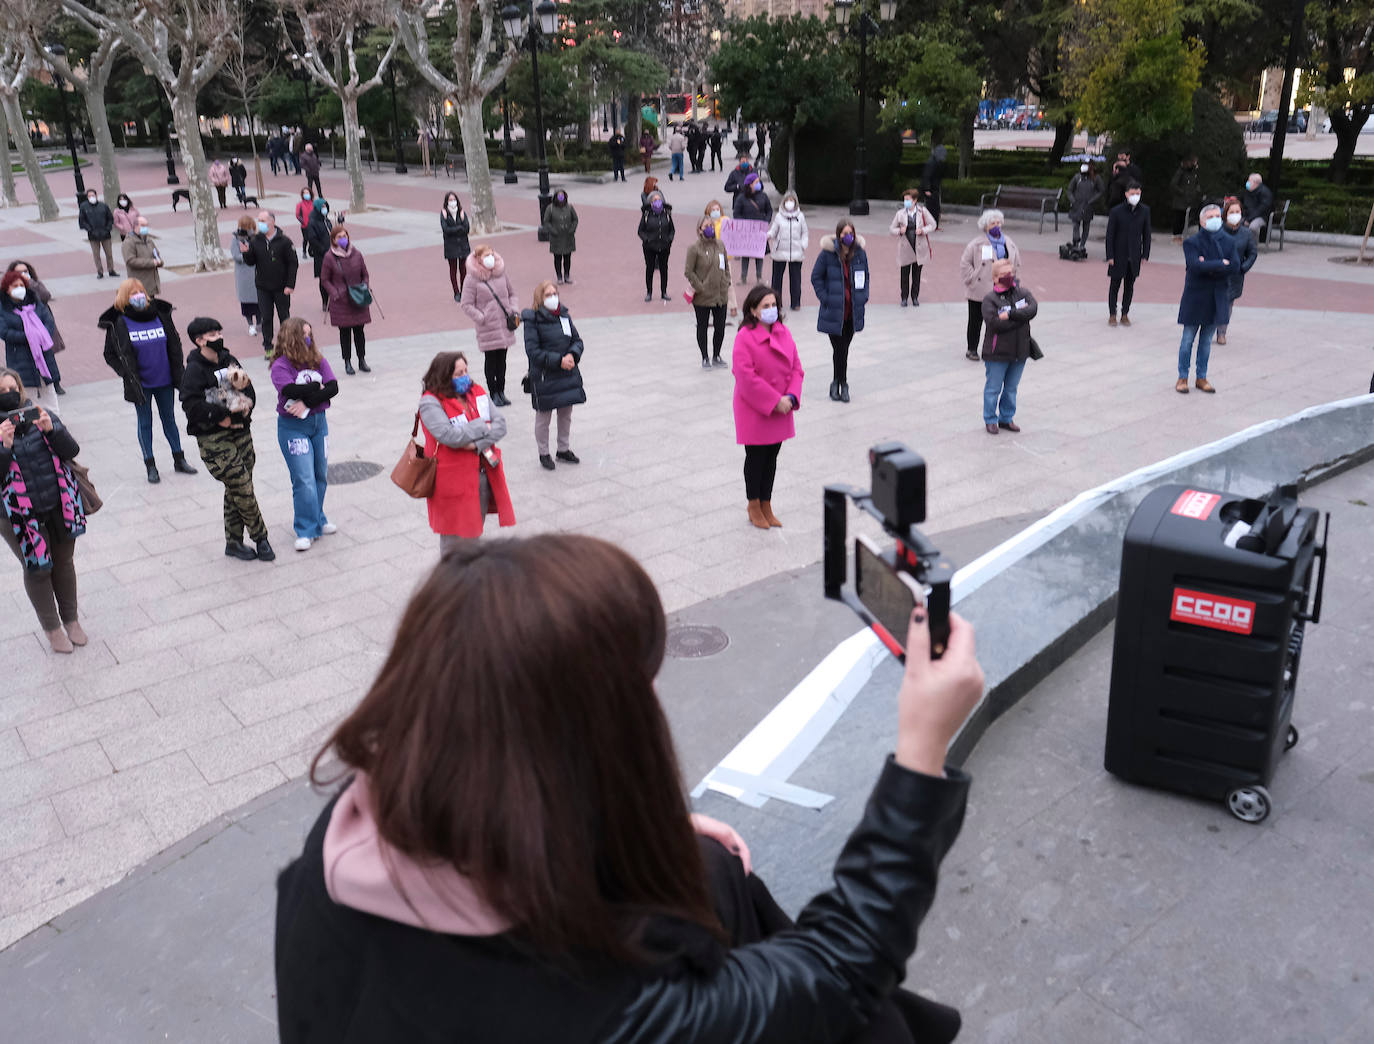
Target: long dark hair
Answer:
[[845, 252], [751, 302], [15, 264], [547, 777], [456, 197], [438, 379]]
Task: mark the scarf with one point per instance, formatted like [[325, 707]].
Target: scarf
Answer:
[[38, 337], [334, 249], [19, 510]]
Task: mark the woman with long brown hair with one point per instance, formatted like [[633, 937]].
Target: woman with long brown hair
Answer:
[[512, 859], [305, 385]]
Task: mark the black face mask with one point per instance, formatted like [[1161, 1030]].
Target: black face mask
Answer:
[[9, 400], [215, 345]]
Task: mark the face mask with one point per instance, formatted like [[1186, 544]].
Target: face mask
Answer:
[[18, 293], [9, 400], [1212, 224], [708, 232], [715, 212], [744, 166], [309, 341], [847, 239], [462, 384], [995, 232], [262, 227], [1082, 168], [1233, 218], [488, 261], [561, 198], [90, 198], [551, 302], [324, 210], [142, 230], [139, 301], [343, 242], [1252, 185], [656, 205], [790, 205], [769, 315], [908, 203], [305, 195], [1133, 198], [214, 344], [124, 204], [453, 205]]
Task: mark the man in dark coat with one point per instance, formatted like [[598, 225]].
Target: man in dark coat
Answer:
[[310, 166], [1128, 245], [716, 141], [273, 257], [617, 147], [1256, 204], [1123, 173], [97, 220], [1209, 256], [932, 175]]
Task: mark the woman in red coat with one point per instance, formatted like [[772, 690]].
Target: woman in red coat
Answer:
[[768, 384], [462, 428], [343, 266]]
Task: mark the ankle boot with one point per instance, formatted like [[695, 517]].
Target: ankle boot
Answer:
[[756, 516], [362, 364], [834, 391], [179, 464], [151, 465], [766, 507], [348, 367], [59, 641]]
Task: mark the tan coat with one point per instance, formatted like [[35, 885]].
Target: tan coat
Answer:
[[140, 259], [925, 225], [975, 267]]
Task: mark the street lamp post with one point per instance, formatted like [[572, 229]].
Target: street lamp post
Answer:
[[401, 167], [863, 28], [510, 178], [543, 22], [57, 50], [302, 73]]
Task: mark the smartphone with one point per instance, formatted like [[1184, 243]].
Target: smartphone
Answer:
[[887, 592]]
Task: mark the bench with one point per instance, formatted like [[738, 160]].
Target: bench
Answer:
[[1044, 200], [1277, 220], [455, 163]]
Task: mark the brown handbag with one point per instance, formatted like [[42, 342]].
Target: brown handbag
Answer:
[[414, 472], [90, 499]]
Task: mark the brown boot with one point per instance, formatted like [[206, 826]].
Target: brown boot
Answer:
[[766, 506], [756, 515]]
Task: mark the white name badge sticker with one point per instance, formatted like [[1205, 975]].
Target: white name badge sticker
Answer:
[[859, 279], [988, 252], [484, 408], [1021, 303], [721, 259], [566, 324]]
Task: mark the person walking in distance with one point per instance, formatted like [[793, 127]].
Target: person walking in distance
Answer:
[[95, 217], [716, 141], [1085, 189], [616, 144], [342, 267], [492, 306], [554, 348], [318, 231], [142, 259], [29, 331], [677, 145], [305, 206], [244, 287], [462, 427], [752, 204], [656, 233], [310, 167], [455, 226], [1185, 193], [788, 238], [708, 274], [1007, 312], [143, 348], [912, 225], [293, 148], [219, 178], [975, 270], [273, 259], [305, 386], [238, 178], [840, 278], [218, 399], [932, 178], [1128, 247], [1247, 253], [560, 223], [646, 148], [1209, 257], [125, 216], [768, 386], [43, 512]]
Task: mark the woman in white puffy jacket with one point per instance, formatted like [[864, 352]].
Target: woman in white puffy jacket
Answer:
[[787, 240], [912, 225]]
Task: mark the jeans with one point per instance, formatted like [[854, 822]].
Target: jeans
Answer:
[[1204, 350], [714, 315], [999, 390], [675, 165], [541, 429], [1080, 230], [1127, 294], [744, 269], [839, 351], [911, 282], [166, 398], [304, 446], [794, 282], [760, 468]]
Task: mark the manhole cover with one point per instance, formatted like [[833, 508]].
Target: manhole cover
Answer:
[[352, 471], [693, 643]]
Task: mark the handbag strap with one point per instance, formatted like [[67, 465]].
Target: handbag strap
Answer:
[[495, 297], [415, 428]]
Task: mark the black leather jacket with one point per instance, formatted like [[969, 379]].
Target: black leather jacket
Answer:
[[347, 976]]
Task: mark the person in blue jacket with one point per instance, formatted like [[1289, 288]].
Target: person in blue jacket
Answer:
[[840, 279], [1210, 258]]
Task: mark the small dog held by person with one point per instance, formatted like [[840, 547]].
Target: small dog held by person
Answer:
[[229, 392]]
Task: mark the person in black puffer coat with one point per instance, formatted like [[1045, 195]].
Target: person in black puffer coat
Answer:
[[656, 233], [142, 346], [554, 348], [318, 231], [43, 512]]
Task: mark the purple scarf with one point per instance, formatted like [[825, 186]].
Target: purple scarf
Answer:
[[19, 510], [38, 337]]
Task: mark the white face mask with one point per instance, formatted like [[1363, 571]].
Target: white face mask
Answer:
[[1133, 198], [1233, 218], [715, 212], [1083, 168], [142, 230], [791, 204], [18, 293], [488, 261], [453, 205], [90, 198], [551, 302]]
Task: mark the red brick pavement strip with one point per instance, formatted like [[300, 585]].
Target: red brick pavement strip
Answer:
[[412, 285]]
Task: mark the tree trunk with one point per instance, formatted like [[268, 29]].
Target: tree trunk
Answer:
[[209, 254], [966, 142], [47, 205], [257, 160], [353, 155], [8, 195], [792, 157], [1063, 138], [1347, 132], [94, 93], [485, 221]]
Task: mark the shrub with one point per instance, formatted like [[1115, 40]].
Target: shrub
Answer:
[[1219, 144], [825, 156]]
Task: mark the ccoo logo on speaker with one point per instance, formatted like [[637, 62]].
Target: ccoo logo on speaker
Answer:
[[1218, 612]]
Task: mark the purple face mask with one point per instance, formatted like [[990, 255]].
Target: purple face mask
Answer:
[[656, 205], [847, 239], [708, 232]]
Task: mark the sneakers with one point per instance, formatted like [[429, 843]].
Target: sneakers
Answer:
[[705, 363], [718, 361], [546, 462], [237, 549], [265, 552], [252, 330], [906, 303], [303, 543], [567, 457], [971, 356], [329, 529]]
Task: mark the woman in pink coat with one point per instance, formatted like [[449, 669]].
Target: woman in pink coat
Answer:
[[768, 384], [491, 305]]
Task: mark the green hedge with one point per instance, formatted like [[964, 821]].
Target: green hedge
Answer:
[[825, 156]]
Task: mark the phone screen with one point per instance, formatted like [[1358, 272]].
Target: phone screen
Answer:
[[890, 596]]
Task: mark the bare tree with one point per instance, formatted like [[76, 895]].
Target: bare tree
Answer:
[[182, 43], [90, 78], [17, 60], [246, 72], [9, 196], [334, 29], [474, 78]]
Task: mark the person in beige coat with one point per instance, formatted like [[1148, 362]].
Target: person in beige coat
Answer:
[[142, 259], [975, 269], [912, 225]]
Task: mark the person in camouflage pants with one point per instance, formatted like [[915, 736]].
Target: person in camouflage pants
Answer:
[[224, 436]]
